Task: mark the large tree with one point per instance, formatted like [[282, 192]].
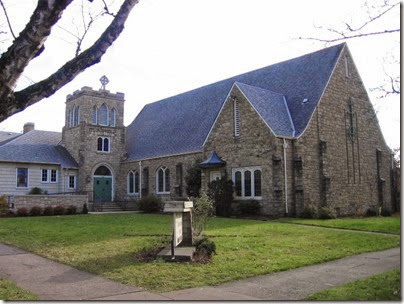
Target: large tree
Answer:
[[30, 44]]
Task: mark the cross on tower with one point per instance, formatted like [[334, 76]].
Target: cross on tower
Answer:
[[104, 81]]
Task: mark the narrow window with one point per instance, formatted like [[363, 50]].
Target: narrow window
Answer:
[[53, 176], [130, 182], [112, 118], [44, 175], [236, 118], [136, 182], [106, 145], [163, 180], [247, 183], [22, 177], [347, 74], [99, 144], [72, 182], [70, 123], [238, 183], [103, 115], [94, 115], [76, 116], [257, 183]]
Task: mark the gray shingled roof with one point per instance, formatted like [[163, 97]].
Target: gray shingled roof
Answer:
[[181, 123], [37, 147], [5, 136], [272, 107]]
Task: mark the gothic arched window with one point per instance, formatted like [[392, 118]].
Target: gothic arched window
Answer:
[[112, 119], [76, 116], [163, 181], [103, 115]]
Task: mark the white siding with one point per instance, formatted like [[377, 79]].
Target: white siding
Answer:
[[8, 178]]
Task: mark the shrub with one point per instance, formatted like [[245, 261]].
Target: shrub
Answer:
[[85, 209], [249, 207], [385, 212], [22, 211], [35, 211], [203, 208], [150, 204], [59, 210], [3, 203], [221, 193], [205, 246], [71, 210], [48, 210], [193, 179], [309, 212], [371, 212], [10, 213], [35, 191], [326, 213]]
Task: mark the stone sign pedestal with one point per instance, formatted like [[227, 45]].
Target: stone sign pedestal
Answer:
[[181, 247]]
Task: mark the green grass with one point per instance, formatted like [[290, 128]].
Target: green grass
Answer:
[[375, 224], [11, 292], [107, 244], [381, 287]]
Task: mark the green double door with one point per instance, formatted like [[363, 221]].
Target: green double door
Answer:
[[102, 189]]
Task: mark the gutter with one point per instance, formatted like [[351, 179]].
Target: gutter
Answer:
[[140, 179]]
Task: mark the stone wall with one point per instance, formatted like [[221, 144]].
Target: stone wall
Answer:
[[340, 167], [177, 176], [29, 201]]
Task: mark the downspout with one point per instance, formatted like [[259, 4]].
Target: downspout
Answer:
[[140, 179], [285, 145]]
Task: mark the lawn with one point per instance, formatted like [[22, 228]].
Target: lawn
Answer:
[[11, 292], [381, 287], [107, 245], [375, 224]]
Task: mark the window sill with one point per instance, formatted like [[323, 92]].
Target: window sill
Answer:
[[163, 193], [239, 198]]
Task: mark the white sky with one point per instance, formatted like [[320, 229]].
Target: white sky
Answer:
[[169, 47]]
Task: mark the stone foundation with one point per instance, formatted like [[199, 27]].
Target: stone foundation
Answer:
[[43, 201]]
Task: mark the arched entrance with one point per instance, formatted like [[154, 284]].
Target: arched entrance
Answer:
[[102, 184]]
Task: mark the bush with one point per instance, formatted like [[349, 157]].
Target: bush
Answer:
[[249, 207], [325, 213], [371, 212], [85, 209], [22, 211], [150, 204], [35, 211], [193, 179], [48, 211], [10, 213], [205, 246], [385, 212], [3, 203], [309, 212], [35, 191], [71, 210], [59, 210], [221, 193], [203, 208]]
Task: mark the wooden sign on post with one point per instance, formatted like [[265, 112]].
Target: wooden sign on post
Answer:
[[178, 234]]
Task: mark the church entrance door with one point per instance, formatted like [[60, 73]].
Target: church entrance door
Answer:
[[102, 185]]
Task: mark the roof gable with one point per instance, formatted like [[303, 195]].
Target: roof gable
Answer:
[[181, 123]]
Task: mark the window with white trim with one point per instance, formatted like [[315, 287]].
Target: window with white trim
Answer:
[[247, 182], [103, 115], [163, 180], [22, 177], [72, 182], [103, 144], [53, 176], [45, 176], [133, 182], [236, 118]]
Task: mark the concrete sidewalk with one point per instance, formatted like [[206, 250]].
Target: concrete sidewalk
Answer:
[[54, 281]]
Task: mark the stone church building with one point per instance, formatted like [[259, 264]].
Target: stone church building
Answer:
[[295, 133]]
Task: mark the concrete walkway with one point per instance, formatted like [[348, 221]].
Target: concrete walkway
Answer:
[[54, 281]]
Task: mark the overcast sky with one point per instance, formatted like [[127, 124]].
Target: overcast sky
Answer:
[[169, 47]]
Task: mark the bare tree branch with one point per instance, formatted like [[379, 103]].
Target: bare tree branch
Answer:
[[8, 20], [106, 10], [346, 37], [18, 101]]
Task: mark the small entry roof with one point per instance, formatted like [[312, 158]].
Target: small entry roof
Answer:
[[213, 161]]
